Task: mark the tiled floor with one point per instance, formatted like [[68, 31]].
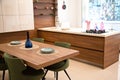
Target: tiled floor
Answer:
[[82, 71]]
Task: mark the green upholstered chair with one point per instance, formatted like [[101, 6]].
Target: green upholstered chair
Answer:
[[60, 66], [38, 39], [19, 71], [3, 66]]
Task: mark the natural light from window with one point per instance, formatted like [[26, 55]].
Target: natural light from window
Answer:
[[98, 11]]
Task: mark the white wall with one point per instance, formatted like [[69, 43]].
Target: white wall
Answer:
[[71, 14]]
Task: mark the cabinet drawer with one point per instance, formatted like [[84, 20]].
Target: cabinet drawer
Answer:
[[91, 56]]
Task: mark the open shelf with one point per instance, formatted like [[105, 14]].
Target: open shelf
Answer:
[[45, 12]]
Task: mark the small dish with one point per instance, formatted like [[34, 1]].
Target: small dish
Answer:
[[47, 50], [15, 42]]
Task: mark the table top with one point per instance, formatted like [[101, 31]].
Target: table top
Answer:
[[33, 56]]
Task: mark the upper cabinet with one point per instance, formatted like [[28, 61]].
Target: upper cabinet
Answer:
[[16, 15], [1, 19], [25, 7], [10, 7], [1, 24], [26, 15]]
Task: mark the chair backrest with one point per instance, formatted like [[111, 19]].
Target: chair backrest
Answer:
[[15, 67], [3, 66], [38, 39], [62, 44]]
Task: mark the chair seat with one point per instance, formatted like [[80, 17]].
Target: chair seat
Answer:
[[58, 66], [31, 71]]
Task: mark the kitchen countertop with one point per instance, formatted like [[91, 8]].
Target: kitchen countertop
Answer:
[[79, 31]]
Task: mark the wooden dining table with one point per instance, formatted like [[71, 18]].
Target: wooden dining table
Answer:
[[34, 57]]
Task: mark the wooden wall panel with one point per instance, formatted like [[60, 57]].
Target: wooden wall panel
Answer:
[[7, 37]]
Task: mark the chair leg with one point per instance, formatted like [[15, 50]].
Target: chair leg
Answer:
[[44, 75], [3, 76], [56, 75], [67, 74]]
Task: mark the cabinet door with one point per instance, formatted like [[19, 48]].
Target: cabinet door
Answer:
[[1, 24], [10, 7], [11, 23], [0, 8], [1, 18], [25, 7], [27, 22], [26, 14], [10, 11], [15, 15]]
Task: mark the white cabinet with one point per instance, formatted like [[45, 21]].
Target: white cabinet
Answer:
[[0, 8], [1, 24], [26, 22], [26, 14], [11, 23], [1, 19], [17, 15], [25, 7], [10, 7]]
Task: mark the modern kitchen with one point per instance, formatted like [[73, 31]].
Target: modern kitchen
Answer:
[[91, 27]]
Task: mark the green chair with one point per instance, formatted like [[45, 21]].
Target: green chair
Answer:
[[3, 66], [38, 39], [19, 71], [60, 65]]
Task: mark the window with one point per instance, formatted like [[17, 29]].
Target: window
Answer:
[[107, 11]]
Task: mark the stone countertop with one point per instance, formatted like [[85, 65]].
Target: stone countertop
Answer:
[[79, 31]]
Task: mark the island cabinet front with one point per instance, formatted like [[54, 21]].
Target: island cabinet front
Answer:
[[99, 51]]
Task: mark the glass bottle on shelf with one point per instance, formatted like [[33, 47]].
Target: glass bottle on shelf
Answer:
[[57, 22]]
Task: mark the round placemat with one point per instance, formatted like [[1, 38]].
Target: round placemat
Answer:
[[42, 53], [34, 47], [16, 44], [46, 50]]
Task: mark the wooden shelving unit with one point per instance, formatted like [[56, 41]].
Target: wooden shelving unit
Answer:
[[45, 8], [44, 13]]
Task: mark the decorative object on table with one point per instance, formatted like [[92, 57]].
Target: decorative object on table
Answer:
[[47, 50], [33, 47], [64, 5], [28, 43]]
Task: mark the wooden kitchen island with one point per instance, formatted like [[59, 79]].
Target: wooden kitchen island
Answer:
[[98, 49]]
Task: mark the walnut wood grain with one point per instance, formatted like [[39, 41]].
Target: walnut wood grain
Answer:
[[99, 51], [34, 58], [7, 37]]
